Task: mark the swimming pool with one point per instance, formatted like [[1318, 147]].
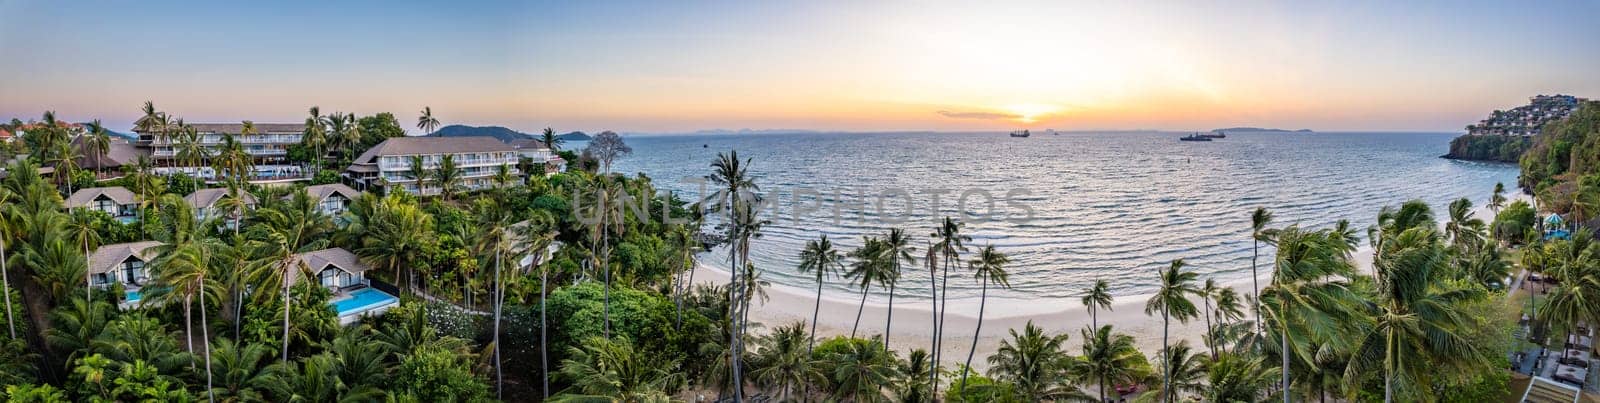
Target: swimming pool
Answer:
[[363, 300], [133, 296]]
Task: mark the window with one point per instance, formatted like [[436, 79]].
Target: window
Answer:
[[106, 205], [102, 278], [333, 277], [133, 270]]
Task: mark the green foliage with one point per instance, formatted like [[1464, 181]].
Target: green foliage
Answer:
[[1568, 144], [437, 375], [1515, 220], [376, 128], [1488, 147], [29, 393], [182, 184], [644, 318], [324, 177]]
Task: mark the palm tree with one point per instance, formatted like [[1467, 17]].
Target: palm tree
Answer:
[[397, 236], [241, 370], [295, 227], [551, 140], [1236, 378], [1183, 369], [607, 212], [1207, 293], [7, 230], [1035, 365], [1258, 228], [315, 135], [1172, 301], [1418, 322], [418, 171], [781, 364], [950, 243], [536, 236], [615, 370], [1095, 298], [350, 136], [735, 194], [822, 260], [1497, 200], [426, 122], [897, 250], [989, 266], [868, 268], [495, 240], [84, 230], [97, 143], [1308, 295], [447, 176], [1107, 356], [862, 368]]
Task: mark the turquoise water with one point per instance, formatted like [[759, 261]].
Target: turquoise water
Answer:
[[133, 296], [1113, 206], [361, 300]]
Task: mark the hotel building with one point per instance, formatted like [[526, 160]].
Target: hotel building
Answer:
[[387, 165]]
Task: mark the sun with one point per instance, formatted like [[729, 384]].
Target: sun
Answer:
[[1031, 112]]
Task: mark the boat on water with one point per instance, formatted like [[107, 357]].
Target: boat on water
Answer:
[[1023, 133], [1194, 137], [1215, 135]]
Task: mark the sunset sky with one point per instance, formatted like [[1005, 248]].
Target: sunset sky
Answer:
[[847, 65]]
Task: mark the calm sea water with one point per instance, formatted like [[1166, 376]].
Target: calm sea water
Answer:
[[1113, 206]]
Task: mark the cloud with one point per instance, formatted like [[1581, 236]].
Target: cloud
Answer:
[[979, 115]]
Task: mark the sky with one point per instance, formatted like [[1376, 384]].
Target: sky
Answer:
[[654, 67]]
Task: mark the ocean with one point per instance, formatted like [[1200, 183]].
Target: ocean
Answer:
[[1068, 208]]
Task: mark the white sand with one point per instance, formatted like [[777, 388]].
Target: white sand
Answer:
[[913, 317]]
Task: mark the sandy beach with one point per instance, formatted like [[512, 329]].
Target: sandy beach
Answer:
[[913, 317]]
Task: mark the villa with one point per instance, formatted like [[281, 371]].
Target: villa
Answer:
[[333, 199], [204, 201], [388, 164], [343, 274], [535, 150], [269, 146], [122, 263], [117, 201]]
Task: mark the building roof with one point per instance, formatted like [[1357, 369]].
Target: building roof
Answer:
[[338, 257], [432, 145], [235, 128], [207, 197], [320, 192], [120, 152], [118, 194], [106, 259], [528, 144]]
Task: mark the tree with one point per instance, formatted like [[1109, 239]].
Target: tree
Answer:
[[615, 370], [289, 229], [607, 147], [397, 237], [84, 231], [950, 243], [536, 236], [1107, 357], [868, 268], [426, 122], [1172, 301], [1497, 200], [418, 172], [242, 370], [1182, 370], [1308, 296], [315, 136], [861, 367], [781, 364], [97, 143], [551, 140], [7, 231], [1258, 230], [1035, 365], [448, 176], [1236, 378], [820, 259], [735, 194], [989, 266], [897, 250], [1095, 298], [1207, 293]]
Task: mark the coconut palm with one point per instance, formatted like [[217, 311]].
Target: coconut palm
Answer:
[[1417, 323], [1497, 200], [6, 233], [97, 143], [1236, 378], [1095, 298], [1107, 357], [397, 235], [897, 250], [862, 369], [426, 122], [950, 242], [232, 160], [493, 243], [1208, 293], [614, 369], [448, 176], [1464, 231], [551, 140], [184, 261], [988, 266], [1035, 365], [1183, 369], [297, 226], [1258, 229], [1171, 300], [735, 194], [315, 135], [418, 172], [868, 268], [820, 259], [242, 371], [781, 364], [84, 231], [1308, 297]]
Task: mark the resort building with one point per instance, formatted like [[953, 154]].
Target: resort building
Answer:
[[119, 153], [343, 274], [387, 165], [269, 146], [1527, 120], [536, 151], [204, 201], [122, 263], [117, 201], [333, 198]]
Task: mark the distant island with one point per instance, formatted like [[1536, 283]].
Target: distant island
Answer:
[[501, 133], [1258, 129]]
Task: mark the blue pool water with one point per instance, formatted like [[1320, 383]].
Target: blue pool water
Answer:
[[361, 300], [133, 296]]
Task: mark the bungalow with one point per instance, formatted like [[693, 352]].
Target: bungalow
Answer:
[[122, 263], [334, 198], [116, 201], [345, 275], [204, 201]]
